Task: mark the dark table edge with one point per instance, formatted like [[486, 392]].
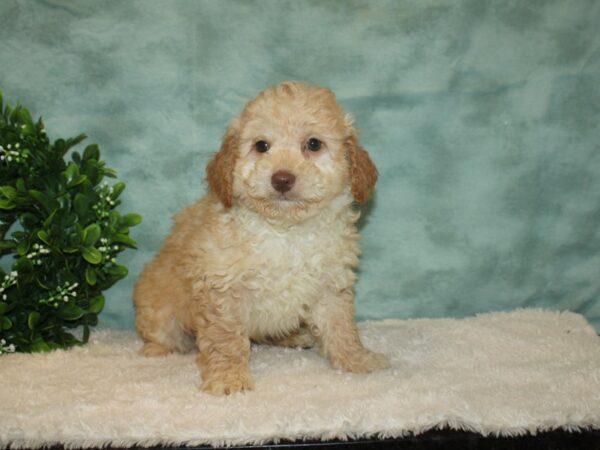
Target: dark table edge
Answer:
[[447, 439]]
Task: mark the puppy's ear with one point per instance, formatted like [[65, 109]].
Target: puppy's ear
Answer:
[[219, 171], [363, 173]]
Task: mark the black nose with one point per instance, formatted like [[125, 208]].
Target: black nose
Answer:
[[282, 181]]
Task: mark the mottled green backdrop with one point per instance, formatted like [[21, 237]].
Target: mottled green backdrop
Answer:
[[482, 116]]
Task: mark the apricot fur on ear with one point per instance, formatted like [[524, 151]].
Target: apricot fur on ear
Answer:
[[219, 171], [363, 173]]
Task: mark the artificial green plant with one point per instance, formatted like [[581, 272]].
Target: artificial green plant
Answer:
[[60, 234]]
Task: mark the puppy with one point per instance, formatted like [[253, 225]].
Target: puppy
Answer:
[[268, 254]]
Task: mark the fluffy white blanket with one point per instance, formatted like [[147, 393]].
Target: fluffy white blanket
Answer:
[[499, 373]]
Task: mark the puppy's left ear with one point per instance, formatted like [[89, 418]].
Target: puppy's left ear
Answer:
[[363, 173], [219, 171]]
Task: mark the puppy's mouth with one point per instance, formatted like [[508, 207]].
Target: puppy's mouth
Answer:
[[285, 197]]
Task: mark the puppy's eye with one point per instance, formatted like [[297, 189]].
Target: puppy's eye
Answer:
[[261, 146], [313, 144]]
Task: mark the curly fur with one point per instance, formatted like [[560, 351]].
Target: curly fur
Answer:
[[250, 263]]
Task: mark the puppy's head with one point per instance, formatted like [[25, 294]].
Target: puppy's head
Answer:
[[290, 153]]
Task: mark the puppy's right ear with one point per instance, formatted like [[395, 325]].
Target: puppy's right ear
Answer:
[[219, 172]]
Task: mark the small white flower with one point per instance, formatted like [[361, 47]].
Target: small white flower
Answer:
[[65, 299], [4, 297], [8, 146], [115, 247], [17, 145], [11, 348]]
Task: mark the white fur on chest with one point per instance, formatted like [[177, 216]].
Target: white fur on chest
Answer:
[[286, 272]]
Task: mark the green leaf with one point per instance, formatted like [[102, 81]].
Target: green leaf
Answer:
[[90, 276], [118, 271], [91, 255], [117, 188], [33, 319], [5, 323], [78, 238], [111, 173], [25, 116], [44, 237], [91, 234], [7, 204], [21, 185], [92, 172], [77, 181], [91, 152], [131, 219], [82, 204], [97, 304], [49, 204], [71, 312], [28, 220], [3, 307], [22, 247], [60, 146], [41, 284], [6, 245], [49, 219], [124, 239], [71, 142], [9, 192], [23, 265], [40, 346], [71, 172]]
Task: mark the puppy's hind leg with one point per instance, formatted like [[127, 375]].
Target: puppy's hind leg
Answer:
[[157, 321], [167, 337]]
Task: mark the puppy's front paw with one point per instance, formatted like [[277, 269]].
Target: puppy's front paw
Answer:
[[361, 362], [226, 383]]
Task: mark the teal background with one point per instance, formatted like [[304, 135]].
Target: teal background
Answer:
[[482, 117]]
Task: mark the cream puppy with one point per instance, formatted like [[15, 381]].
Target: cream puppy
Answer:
[[268, 254]]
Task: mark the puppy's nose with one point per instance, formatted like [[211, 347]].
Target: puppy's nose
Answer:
[[282, 181]]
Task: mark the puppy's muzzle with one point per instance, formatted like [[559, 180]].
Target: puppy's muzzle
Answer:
[[283, 181]]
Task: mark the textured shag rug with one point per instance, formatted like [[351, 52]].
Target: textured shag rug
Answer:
[[498, 373]]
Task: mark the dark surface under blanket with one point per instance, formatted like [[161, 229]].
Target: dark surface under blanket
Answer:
[[434, 440]]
